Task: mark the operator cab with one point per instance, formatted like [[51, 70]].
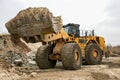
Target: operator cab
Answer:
[[72, 29]]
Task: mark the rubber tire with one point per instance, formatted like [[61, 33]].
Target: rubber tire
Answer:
[[89, 59], [42, 57], [68, 56]]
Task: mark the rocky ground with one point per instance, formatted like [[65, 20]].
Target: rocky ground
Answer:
[[108, 70], [16, 66]]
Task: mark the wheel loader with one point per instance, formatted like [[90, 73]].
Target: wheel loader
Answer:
[[65, 43]]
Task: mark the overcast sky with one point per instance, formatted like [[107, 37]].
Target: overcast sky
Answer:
[[101, 15]]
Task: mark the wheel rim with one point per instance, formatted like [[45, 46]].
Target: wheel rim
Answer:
[[95, 53], [77, 56]]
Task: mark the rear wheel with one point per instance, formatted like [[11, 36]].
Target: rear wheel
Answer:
[[93, 54], [42, 57], [71, 56]]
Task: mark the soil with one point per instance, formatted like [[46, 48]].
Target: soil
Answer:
[[108, 70]]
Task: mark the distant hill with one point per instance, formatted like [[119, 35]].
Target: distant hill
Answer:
[[116, 50]]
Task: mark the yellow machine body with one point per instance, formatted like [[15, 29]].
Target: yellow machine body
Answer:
[[62, 37]]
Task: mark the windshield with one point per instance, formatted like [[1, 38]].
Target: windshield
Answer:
[[66, 29], [70, 30]]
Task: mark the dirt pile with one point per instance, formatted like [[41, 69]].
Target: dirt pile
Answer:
[[8, 72], [10, 43], [12, 49], [12, 56]]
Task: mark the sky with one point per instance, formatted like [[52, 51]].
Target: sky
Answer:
[[101, 15]]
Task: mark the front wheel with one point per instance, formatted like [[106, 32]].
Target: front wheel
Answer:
[[71, 56], [42, 57]]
